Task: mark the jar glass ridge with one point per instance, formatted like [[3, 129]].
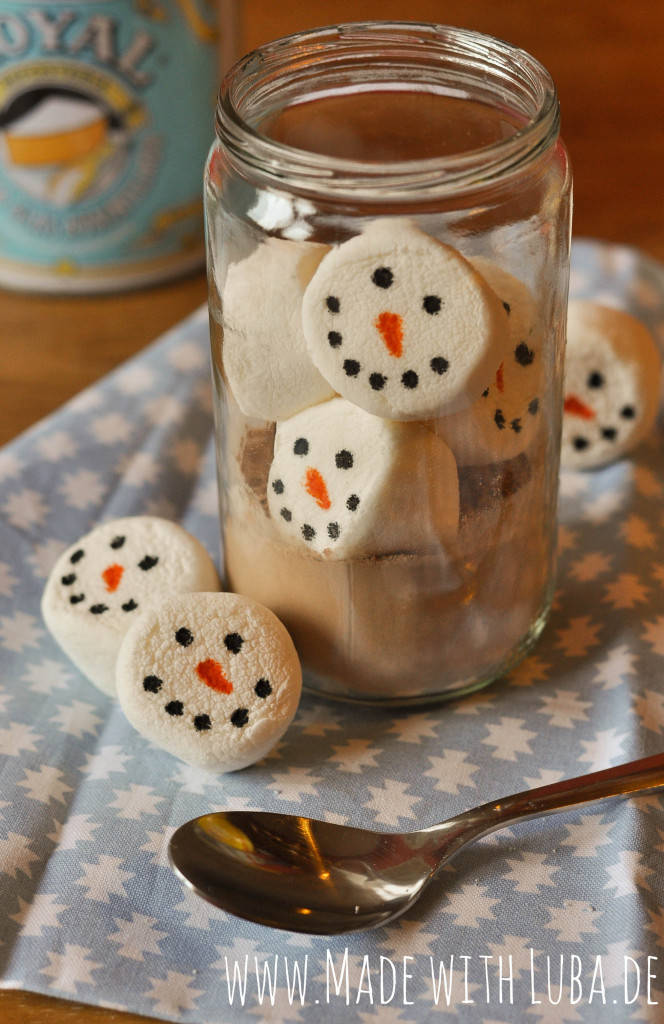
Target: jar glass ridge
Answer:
[[321, 137]]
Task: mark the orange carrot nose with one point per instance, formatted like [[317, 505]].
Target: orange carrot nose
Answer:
[[316, 487], [575, 407], [211, 673], [500, 378], [390, 328], [112, 576]]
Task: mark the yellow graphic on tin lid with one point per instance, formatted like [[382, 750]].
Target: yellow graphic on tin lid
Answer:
[[201, 18], [65, 130]]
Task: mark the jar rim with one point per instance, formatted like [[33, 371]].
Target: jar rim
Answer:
[[498, 68]]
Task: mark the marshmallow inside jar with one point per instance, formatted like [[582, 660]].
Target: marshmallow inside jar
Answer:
[[213, 679], [103, 581], [402, 324], [265, 356], [344, 483], [505, 417]]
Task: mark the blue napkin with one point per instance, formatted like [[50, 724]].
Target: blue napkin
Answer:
[[90, 909]]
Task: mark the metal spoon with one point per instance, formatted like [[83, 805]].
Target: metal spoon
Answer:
[[312, 876]]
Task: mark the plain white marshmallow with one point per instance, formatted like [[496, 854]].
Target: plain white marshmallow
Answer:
[[613, 370], [107, 578], [214, 679], [264, 352], [506, 418], [344, 483], [401, 324]]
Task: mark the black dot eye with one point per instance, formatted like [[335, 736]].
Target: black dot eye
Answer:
[[301, 446], [278, 486], [148, 562], [233, 642], [263, 688], [485, 393], [77, 556], [377, 381], [334, 339], [152, 684], [432, 304], [516, 425], [308, 532], [628, 412], [352, 503], [351, 367], [184, 636], [333, 304], [439, 365], [595, 379], [202, 723], [499, 419], [382, 277], [99, 609], [174, 707], [333, 531], [507, 308], [409, 379], [240, 717], [580, 443], [286, 514], [533, 407], [69, 579], [117, 542], [129, 606], [523, 355], [609, 433], [343, 459], [76, 598]]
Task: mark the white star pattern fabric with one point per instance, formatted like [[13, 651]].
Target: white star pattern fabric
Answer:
[[571, 905]]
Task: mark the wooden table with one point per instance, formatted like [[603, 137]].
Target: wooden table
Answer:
[[606, 61]]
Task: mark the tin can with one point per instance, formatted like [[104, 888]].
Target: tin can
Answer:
[[104, 129]]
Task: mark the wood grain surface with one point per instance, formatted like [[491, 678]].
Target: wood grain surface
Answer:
[[605, 58]]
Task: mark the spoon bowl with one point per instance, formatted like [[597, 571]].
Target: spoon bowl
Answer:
[[304, 875]]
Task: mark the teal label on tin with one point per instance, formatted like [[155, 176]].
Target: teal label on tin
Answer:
[[106, 115]]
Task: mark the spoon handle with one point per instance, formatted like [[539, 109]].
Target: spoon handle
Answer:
[[621, 780]]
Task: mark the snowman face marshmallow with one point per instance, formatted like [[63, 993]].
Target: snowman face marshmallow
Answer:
[[101, 583], [402, 325], [506, 418], [212, 678], [612, 385], [345, 483]]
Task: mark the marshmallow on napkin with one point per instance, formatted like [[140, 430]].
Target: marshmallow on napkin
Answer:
[[264, 352], [214, 679], [401, 324], [613, 371], [107, 578], [345, 483], [506, 417]]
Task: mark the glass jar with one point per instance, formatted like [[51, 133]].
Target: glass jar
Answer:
[[388, 217]]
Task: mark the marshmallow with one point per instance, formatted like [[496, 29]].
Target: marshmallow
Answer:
[[264, 352], [401, 324], [506, 417], [345, 483], [214, 679], [103, 581], [613, 372]]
